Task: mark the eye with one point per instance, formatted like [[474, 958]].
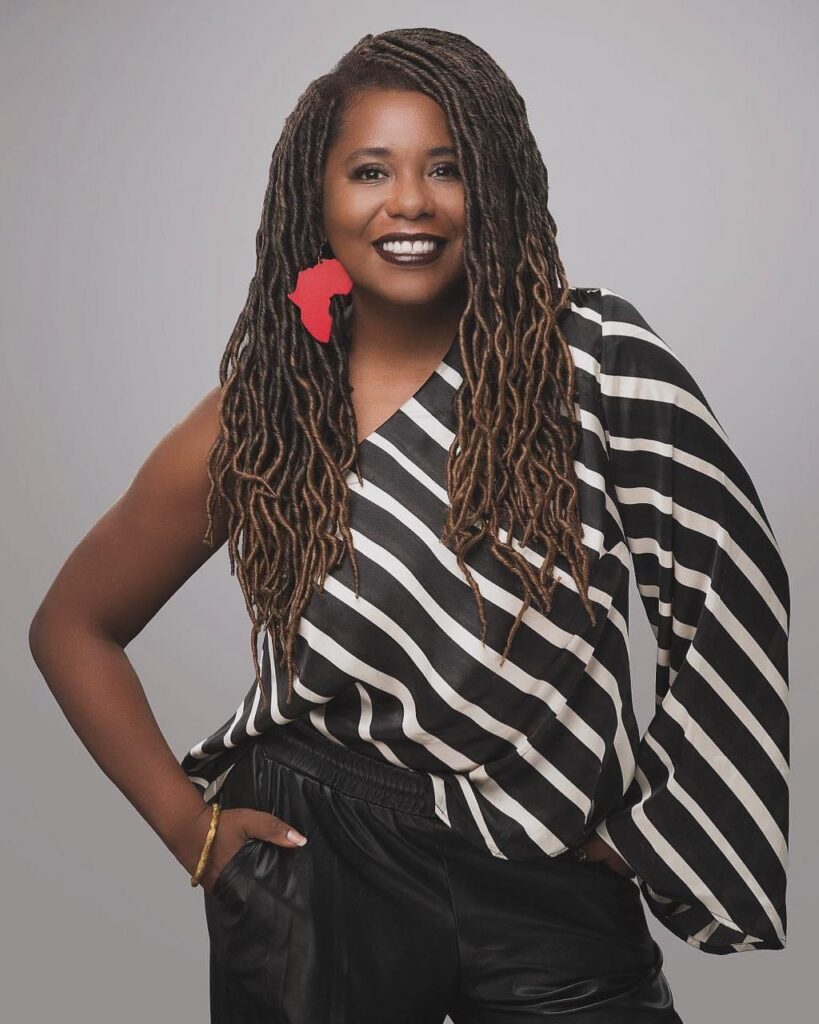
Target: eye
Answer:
[[449, 167], [365, 169]]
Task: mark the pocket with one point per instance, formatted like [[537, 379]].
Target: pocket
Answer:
[[233, 865], [601, 867]]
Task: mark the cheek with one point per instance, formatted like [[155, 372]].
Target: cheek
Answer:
[[351, 210], [457, 220]]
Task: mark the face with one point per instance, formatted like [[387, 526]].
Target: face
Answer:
[[406, 181]]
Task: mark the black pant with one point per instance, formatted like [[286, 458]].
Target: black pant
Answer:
[[387, 916]]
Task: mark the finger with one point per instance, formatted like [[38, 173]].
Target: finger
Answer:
[[274, 830]]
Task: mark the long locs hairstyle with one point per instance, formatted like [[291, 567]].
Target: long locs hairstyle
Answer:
[[288, 428]]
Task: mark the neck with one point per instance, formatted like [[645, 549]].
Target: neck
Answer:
[[388, 333]]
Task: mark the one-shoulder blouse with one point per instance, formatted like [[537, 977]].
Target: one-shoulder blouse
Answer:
[[532, 756]]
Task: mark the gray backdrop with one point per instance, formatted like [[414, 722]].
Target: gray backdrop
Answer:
[[681, 143]]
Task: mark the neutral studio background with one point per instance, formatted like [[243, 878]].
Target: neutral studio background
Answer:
[[681, 142]]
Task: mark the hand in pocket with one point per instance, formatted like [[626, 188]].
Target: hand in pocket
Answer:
[[236, 826], [597, 849]]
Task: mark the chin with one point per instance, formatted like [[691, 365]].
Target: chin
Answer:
[[416, 292]]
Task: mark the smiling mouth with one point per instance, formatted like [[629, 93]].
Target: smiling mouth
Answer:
[[405, 254]]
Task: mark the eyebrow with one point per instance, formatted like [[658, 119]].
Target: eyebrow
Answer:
[[385, 151]]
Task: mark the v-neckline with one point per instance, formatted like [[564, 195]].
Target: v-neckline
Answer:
[[413, 397]]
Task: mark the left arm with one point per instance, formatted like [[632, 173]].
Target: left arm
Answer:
[[704, 820]]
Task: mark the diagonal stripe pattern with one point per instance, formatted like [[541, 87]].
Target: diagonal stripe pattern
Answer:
[[530, 757]]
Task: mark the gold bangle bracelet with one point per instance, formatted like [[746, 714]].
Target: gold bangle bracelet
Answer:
[[200, 867]]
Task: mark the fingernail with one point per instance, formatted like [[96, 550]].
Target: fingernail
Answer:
[[296, 837]]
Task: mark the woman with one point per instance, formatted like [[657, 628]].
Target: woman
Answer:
[[434, 798]]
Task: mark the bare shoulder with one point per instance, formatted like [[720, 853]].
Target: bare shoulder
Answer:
[[174, 475], [173, 482], [193, 436], [152, 539]]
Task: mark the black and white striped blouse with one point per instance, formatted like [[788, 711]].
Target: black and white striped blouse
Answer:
[[530, 757]]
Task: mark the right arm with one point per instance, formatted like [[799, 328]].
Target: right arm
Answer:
[[120, 575]]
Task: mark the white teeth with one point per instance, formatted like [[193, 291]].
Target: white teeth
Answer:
[[410, 247]]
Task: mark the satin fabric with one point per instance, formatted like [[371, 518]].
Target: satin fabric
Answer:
[[388, 916]]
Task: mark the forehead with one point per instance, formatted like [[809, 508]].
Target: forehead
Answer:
[[399, 120]]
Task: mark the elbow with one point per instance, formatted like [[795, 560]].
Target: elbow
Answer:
[[56, 628], [36, 633], [41, 631]]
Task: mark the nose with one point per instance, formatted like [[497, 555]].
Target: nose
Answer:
[[410, 196]]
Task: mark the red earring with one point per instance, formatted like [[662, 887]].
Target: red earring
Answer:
[[315, 286]]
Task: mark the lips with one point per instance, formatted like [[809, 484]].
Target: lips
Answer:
[[408, 236], [411, 259]]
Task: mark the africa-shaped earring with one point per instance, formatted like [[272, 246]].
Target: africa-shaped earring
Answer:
[[315, 286]]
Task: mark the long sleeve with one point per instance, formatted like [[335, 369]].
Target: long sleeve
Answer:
[[704, 819]]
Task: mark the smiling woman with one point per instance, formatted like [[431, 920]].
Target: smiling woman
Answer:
[[394, 216], [406, 203], [395, 143], [433, 800]]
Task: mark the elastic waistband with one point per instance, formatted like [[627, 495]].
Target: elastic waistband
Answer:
[[299, 745]]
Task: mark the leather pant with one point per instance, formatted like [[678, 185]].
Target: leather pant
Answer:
[[387, 916]]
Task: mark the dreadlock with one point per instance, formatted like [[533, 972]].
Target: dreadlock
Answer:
[[288, 427]]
